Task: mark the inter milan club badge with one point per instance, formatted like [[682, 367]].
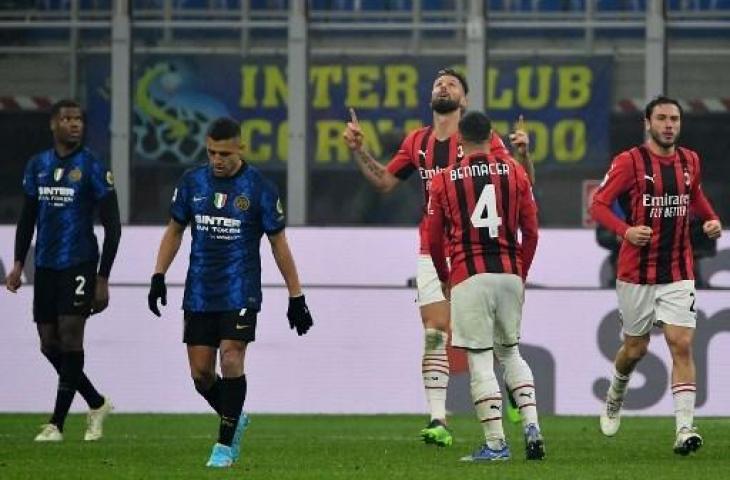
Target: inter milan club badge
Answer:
[[242, 203], [58, 174], [74, 175], [219, 200]]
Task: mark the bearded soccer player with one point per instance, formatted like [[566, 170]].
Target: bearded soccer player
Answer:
[[63, 186], [660, 181], [428, 150], [477, 207], [229, 206]]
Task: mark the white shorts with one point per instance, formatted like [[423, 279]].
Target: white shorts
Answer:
[[427, 280], [486, 309], [641, 305]]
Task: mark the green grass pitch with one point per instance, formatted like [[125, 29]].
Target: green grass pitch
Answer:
[[354, 447]]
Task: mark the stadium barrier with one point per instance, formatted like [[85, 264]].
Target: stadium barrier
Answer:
[[363, 354]]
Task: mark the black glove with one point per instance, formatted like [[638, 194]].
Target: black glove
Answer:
[[298, 315], [158, 290]]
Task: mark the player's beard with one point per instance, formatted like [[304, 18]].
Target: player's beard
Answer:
[[444, 105], [659, 140]]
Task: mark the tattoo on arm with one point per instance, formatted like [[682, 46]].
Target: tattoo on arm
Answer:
[[369, 163]]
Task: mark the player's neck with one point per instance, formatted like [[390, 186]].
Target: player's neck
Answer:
[[63, 150], [470, 148], [660, 150], [446, 124]]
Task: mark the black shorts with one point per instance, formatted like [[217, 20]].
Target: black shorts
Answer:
[[209, 328], [63, 292]]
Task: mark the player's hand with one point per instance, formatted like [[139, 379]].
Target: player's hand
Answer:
[[353, 133], [298, 315], [638, 236], [158, 290], [101, 295], [519, 138], [12, 279], [712, 229], [446, 290]]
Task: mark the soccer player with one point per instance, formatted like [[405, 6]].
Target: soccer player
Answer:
[[63, 186], [660, 181], [428, 150], [478, 205], [229, 206]]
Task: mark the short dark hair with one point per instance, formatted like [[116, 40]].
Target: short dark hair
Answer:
[[453, 73], [64, 103], [224, 128], [661, 100], [475, 127]]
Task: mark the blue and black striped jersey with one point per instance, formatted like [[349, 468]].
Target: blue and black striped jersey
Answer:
[[67, 188], [227, 217]]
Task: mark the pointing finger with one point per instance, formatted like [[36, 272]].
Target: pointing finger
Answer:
[[353, 117]]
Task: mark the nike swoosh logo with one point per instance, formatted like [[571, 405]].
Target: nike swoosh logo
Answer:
[[241, 327], [78, 304], [651, 179], [198, 199]]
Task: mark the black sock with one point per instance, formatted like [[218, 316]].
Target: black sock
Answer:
[[233, 393], [84, 386], [72, 364], [212, 394]]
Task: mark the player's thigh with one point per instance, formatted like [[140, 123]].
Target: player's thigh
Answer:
[[508, 294], [45, 293], [675, 304], [201, 329], [636, 304], [427, 281], [76, 290], [71, 332], [472, 314]]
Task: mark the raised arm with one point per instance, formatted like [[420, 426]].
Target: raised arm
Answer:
[[521, 143], [375, 172]]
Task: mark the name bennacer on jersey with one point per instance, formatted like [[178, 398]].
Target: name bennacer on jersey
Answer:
[[478, 170]]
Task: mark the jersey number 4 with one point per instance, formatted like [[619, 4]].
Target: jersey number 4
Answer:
[[485, 212]]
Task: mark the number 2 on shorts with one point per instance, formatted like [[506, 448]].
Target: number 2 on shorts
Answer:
[[80, 286]]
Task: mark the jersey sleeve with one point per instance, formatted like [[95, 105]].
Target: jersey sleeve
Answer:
[[102, 181], [436, 222], [700, 205], [403, 163], [272, 210], [29, 179], [528, 221], [180, 206], [617, 181]]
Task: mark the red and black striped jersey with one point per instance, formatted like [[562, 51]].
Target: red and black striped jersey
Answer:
[[476, 208], [660, 192], [421, 151]]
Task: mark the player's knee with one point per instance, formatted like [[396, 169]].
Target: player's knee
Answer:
[[636, 352], [203, 380], [680, 346], [435, 339], [505, 354]]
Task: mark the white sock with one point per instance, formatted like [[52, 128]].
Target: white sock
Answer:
[[486, 395], [684, 395], [435, 370], [518, 378], [619, 383]]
